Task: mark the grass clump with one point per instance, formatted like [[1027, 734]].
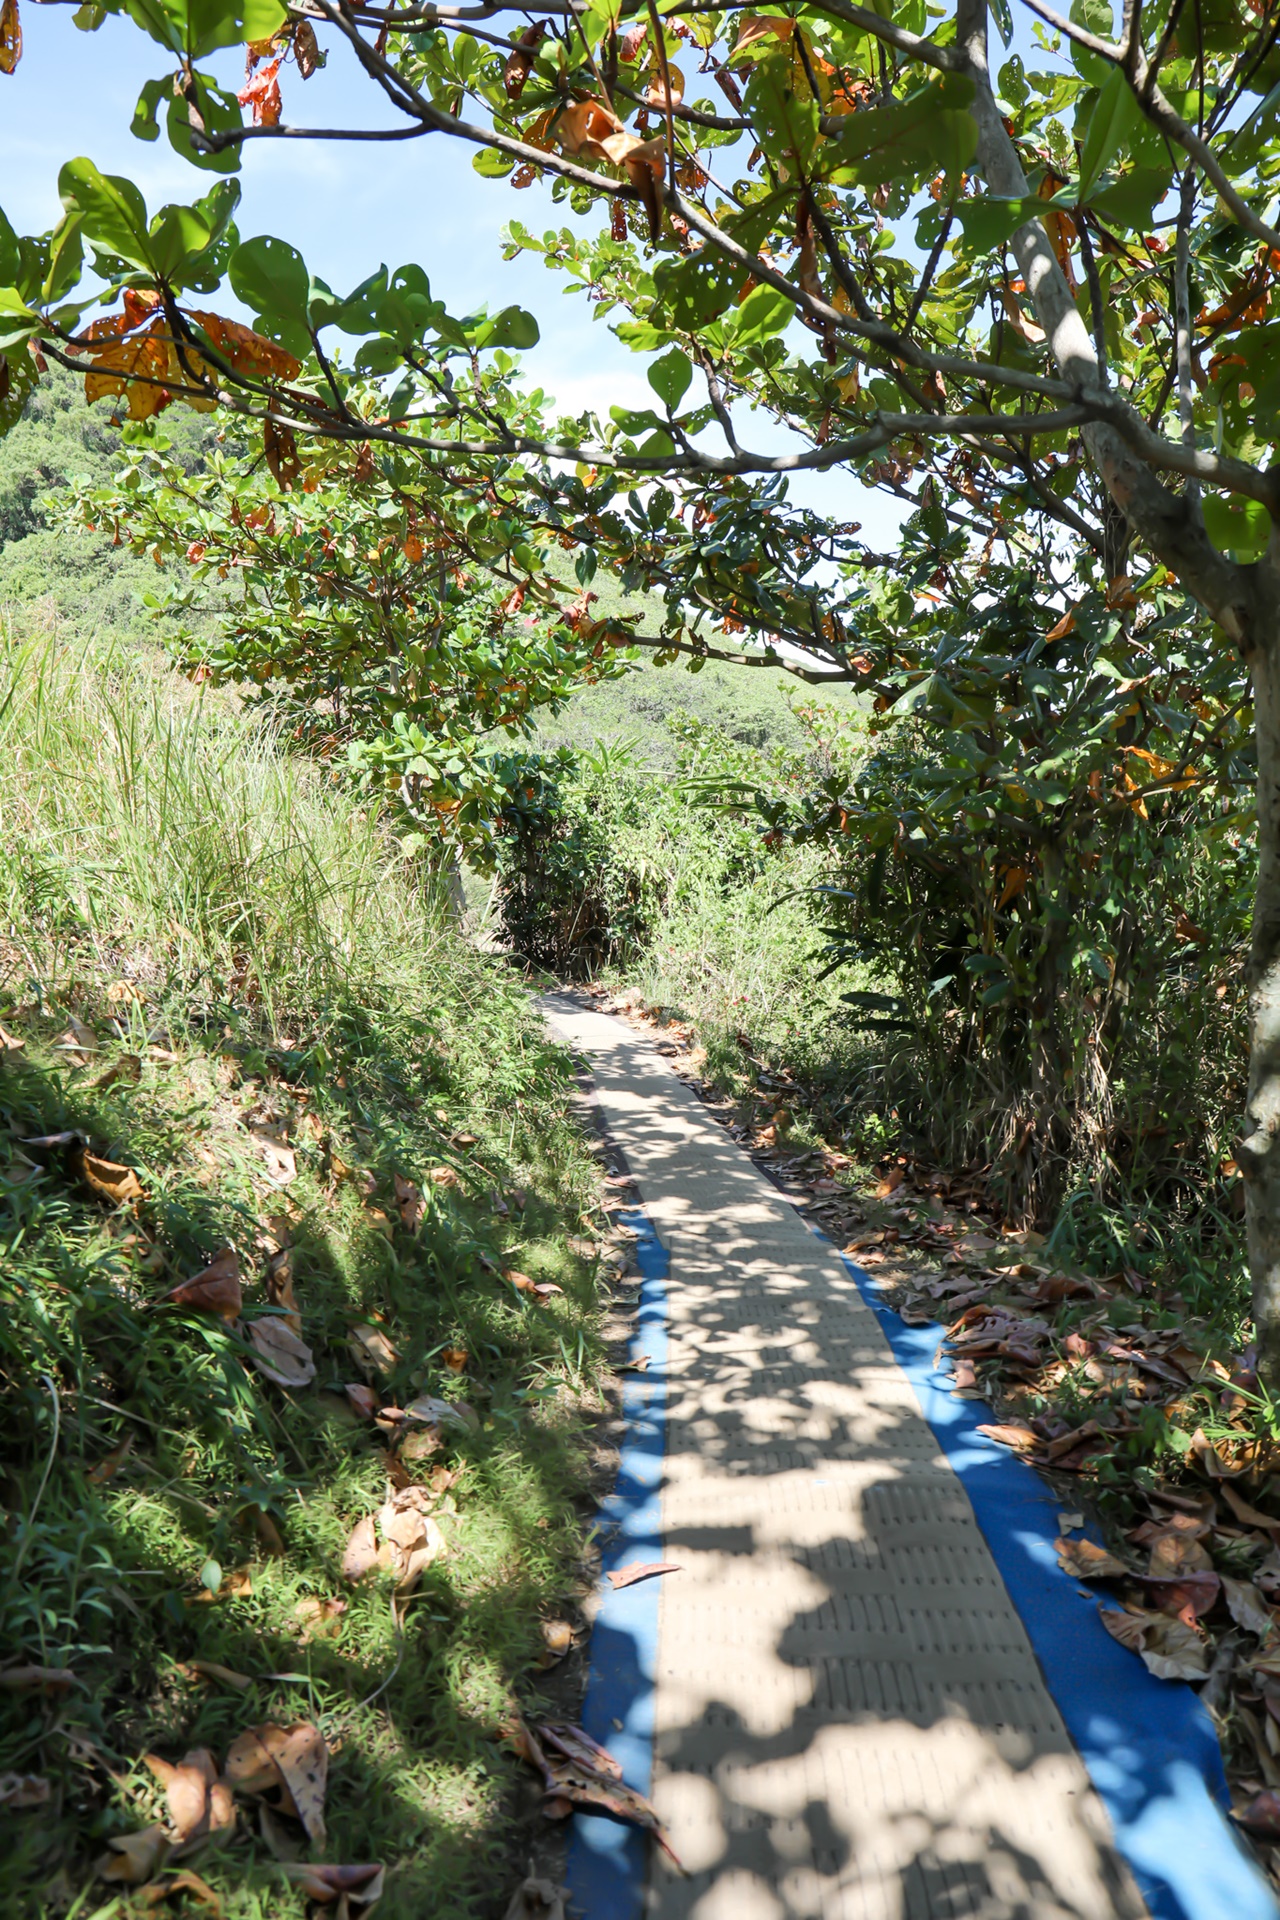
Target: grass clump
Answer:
[[220, 974]]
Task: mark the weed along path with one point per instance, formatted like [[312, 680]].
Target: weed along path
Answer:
[[873, 1693]]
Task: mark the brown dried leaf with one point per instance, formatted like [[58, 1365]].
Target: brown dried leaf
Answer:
[[321, 1618], [196, 1807], [133, 1858], [648, 1570], [23, 1790], [363, 1399], [280, 451], [1247, 1516], [279, 1284], [360, 1555], [111, 1463], [536, 1900], [212, 1670], [216, 1289], [51, 1681], [1246, 1605], [9, 1042], [247, 351], [409, 1203], [279, 1354], [1085, 1561], [372, 1351], [1174, 1651], [455, 1358], [353, 1887], [294, 1758], [1176, 1552], [10, 36], [109, 1181], [1261, 1815], [443, 1177], [1013, 1434], [182, 1882], [128, 1066]]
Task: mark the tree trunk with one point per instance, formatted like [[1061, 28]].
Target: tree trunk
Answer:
[[1259, 1152]]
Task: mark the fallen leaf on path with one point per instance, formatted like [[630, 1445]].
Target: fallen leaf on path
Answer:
[[1247, 1515], [216, 1289], [360, 1556], [1070, 1522], [443, 1177], [432, 1411], [539, 1289], [279, 1353], [214, 1670], [354, 1887], [279, 1157], [132, 1858], [1083, 1560], [1246, 1605], [184, 1882], [47, 1680], [582, 1250], [1177, 1552], [23, 1790], [1169, 1648], [1013, 1434], [1209, 1459], [536, 1900], [1261, 1815], [363, 1399], [578, 1772], [111, 1463], [321, 1619], [632, 1575], [372, 1351], [10, 1043], [293, 1759], [77, 1039], [640, 1365], [411, 1539], [109, 1181], [1186, 1598], [199, 1802], [279, 1286], [890, 1184], [128, 1067], [409, 1203], [557, 1638]]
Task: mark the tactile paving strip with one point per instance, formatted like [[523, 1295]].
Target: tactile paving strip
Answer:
[[851, 1724]]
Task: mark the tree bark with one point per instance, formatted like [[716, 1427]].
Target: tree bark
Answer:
[[1259, 1151]]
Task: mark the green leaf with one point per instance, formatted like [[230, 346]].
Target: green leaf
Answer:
[[1116, 117], [765, 311], [989, 222], [145, 125], [930, 130], [670, 378], [211, 1575], [198, 27], [1095, 17], [513, 327], [271, 277], [492, 165], [9, 252], [1238, 526], [220, 112], [1002, 14], [111, 209]]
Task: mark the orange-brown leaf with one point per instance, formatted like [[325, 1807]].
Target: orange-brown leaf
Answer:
[[109, 1181], [137, 367], [10, 36], [280, 450], [306, 48], [214, 1290], [248, 352], [261, 95]]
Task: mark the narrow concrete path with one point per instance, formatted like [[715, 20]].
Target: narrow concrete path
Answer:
[[850, 1721]]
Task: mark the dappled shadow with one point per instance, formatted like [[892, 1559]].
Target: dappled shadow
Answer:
[[851, 1719]]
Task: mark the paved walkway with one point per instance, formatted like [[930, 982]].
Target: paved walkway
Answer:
[[851, 1723]]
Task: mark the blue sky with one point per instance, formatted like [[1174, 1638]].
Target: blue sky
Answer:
[[345, 207]]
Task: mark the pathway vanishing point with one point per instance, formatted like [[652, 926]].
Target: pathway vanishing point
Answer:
[[850, 1721]]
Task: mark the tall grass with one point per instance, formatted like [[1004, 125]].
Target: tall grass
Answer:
[[146, 816], [174, 875]]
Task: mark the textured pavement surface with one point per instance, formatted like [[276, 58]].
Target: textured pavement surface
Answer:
[[851, 1723]]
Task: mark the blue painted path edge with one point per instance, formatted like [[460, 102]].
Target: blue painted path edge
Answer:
[[1148, 1745], [607, 1863]]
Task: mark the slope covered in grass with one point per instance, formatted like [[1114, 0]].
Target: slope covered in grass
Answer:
[[221, 979]]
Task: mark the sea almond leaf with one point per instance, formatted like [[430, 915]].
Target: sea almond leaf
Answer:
[[216, 1289], [360, 1555], [109, 1181], [279, 1353], [1083, 1560], [632, 1575]]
